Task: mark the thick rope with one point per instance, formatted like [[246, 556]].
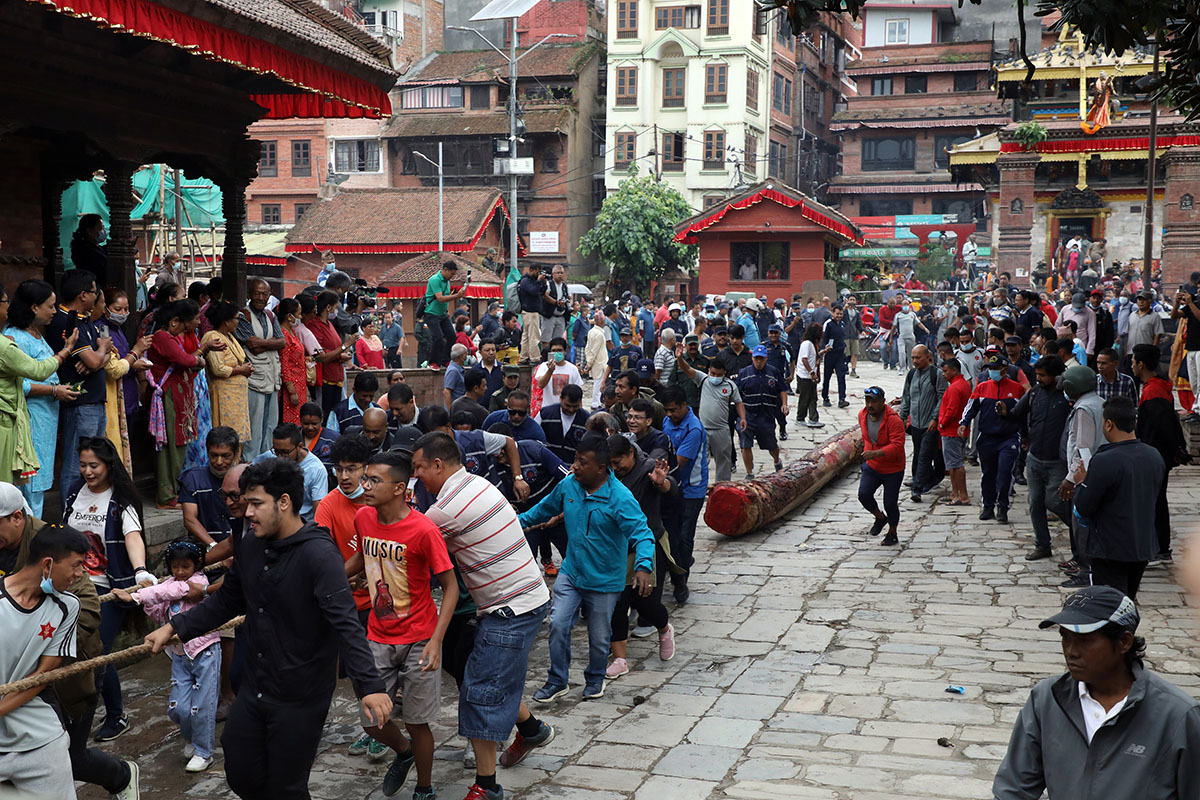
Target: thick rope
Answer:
[[110, 597], [130, 654]]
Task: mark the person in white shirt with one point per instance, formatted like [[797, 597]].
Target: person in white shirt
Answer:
[[748, 271], [556, 372], [664, 358], [595, 356]]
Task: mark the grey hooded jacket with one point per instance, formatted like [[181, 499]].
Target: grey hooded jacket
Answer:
[[1148, 751]]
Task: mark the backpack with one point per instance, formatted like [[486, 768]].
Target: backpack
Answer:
[[512, 300]]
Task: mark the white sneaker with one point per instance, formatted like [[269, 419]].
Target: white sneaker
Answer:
[[189, 750], [130, 792], [644, 631], [198, 764]]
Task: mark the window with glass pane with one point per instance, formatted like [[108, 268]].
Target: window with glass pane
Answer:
[[627, 19], [888, 154], [752, 78], [356, 155], [673, 87], [268, 164], [881, 86], [714, 150], [718, 17], [711, 200], [672, 152], [272, 214], [301, 158], [481, 97], [627, 86], [915, 84], [766, 257], [715, 76], [300, 209], [966, 81], [677, 17], [941, 158], [626, 148], [751, 165], [777, 160], [897, 31]]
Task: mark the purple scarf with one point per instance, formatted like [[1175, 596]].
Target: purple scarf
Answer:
[[121, 345]]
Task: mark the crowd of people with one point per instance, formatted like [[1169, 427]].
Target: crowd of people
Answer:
[[331, 514]]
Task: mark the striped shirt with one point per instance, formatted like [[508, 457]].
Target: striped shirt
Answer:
[[488, 545]]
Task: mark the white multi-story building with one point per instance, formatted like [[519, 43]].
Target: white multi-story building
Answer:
[[688, 95]]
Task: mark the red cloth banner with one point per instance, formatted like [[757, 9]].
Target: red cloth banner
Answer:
[[1099, 145], [412, 292], [331, 93], [688, 234]]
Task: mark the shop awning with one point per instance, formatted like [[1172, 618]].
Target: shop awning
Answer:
[[323, 91]]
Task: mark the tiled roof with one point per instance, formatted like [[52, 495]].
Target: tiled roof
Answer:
[[394, 217], [967, 112], [313, 24], [474, 66], [490, 124], [420, 268]]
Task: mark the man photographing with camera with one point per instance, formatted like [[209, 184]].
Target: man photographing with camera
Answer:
[[555, 299]]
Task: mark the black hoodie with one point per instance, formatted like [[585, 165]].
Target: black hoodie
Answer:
[[299, 617]]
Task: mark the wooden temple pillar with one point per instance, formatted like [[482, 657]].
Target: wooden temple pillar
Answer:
[[233, 204], [53, 184], [1014, 217], [122, 252], [1181, 216]]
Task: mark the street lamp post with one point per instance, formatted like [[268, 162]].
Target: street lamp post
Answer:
[[513, 236], [441, 195]]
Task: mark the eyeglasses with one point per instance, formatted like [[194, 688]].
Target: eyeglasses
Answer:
[[224, 495], [374, 480], [284, 453], [350, 470]]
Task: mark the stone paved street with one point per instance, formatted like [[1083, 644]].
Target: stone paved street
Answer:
[[811, 663]]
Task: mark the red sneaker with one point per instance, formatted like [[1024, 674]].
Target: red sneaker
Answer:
[[521, 746], [477, 792], [549, 568]]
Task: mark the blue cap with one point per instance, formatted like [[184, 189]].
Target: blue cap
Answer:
[[776, 327], [759, 351], [644, 369]]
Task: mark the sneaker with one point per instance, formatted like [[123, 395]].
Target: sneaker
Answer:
[[469, 757], [908, 482], [359, 746], [783, 435], [1164, 556], [1002, 516], [749, 476], [397, 773], [987, 514], [682, 593], [1020, 480], [915, 497], [131, 791], [594, 694], [549, 693], [377, 750], [880, 524], [643, 631], [666, 643], [198, 764], [516, 752], [1077, 581], [189, 750], [890, 540], [827, 404], [1037, 554], [815, 424], [549, 568], [844, 403], [1070, 565], [477, 792], [616, 669], [112, 728], [430, 795]]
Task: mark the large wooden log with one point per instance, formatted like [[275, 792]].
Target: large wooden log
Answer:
[[736, 508]]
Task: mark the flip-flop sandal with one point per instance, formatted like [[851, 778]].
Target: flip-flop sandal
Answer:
[[958, 503]]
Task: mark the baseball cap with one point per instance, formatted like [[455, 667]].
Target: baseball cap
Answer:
[[759, 351], [1093, 607], [11, 500], [996, 361], [1014, 340], [717, 331], [796, 304], [873, 391], [775, 327], [1096, 293], [691, 337], [511, 369], [625, 331], [644, 369], [1146, 293]]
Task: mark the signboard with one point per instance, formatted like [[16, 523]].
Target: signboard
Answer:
[[543, 241], [513, 166], [897, 227], [849, 253]]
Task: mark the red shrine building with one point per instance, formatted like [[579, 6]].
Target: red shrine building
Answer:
[[769, 239]]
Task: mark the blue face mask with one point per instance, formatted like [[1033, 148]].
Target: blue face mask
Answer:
[[356, 493], [559, 356], [47, 586], [716, 381], [995, 374]]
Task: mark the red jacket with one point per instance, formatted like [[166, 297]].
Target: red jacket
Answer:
[[954, 401], [891, 441], [1157, 388], [887, 315]]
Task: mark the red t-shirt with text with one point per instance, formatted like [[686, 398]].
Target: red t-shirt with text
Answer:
[[399, 559]]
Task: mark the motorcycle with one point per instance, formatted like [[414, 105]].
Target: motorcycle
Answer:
[[877, 340]]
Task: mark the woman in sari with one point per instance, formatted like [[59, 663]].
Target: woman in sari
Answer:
[[368, 350], [31, 310], [228, 369], [111, 311], [16, 443], [197, 453], [292, 361], [172, 399]]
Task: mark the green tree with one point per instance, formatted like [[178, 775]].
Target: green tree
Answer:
[[635, 231]]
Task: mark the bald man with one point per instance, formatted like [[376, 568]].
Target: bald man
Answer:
[[375, 429], [923, 387], [259, 333]]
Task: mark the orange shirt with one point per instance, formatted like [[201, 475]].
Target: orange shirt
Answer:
[[336, 513]]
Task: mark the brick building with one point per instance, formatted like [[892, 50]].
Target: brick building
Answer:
[[808, 83], [460, 99]]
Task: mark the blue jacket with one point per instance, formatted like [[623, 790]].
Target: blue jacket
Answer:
[[760, 391], [528, 429], [983, 404], [602, 527], [691, 442], [541, 468], [346, 414]]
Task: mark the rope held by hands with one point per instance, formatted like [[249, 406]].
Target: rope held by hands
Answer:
[[129, 654]]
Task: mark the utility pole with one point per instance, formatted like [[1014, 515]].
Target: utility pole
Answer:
[[441, 202], [1151, 170]]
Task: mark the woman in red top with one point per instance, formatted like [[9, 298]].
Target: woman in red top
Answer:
[[333, 353], [462, 328], [291, 362], [883, 462], [368, 350], [174, 359]]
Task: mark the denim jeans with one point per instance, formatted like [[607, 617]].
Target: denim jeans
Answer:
[[889, 351], [494, 678], [79, 422], [1043, 479], [195, 685], [264, 416], [598, 610]]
